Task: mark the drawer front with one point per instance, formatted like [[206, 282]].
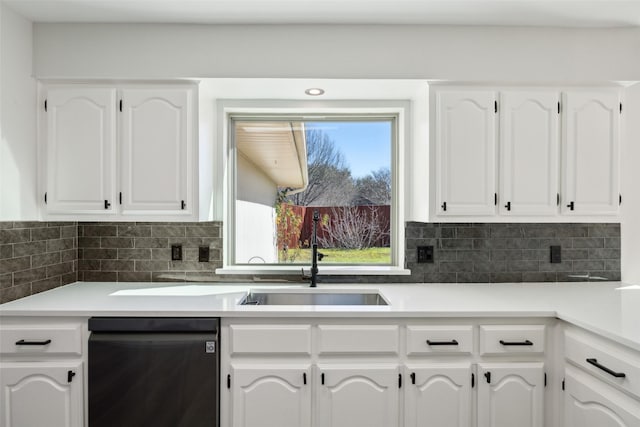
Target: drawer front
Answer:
[[604, 360], [41, 339], [358, 339], [512, 339], [433, 340], [281, 339]]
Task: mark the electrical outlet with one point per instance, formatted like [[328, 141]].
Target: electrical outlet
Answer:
[[556, 254], [203, 254], [176, 252], [425, 254]]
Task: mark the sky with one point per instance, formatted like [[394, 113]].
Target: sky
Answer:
[[366, 146]]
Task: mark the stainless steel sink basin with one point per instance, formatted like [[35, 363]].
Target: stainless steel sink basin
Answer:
[[312, 298]]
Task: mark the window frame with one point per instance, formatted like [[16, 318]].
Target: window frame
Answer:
[[398, 111]]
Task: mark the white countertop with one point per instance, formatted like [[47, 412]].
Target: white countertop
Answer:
[[603, 308]]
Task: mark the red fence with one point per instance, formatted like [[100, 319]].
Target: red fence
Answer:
[[382, 213]]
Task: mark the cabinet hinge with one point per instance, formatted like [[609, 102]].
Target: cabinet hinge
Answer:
[[495, 107], [563, 384], [45, 198], [45, 105], [545, 379], [473, 380], [399, 380], [70, 375], [487, 375], [229, 381], [121, 105], [558, 107]]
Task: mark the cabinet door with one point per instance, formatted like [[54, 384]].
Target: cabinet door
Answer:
[[439, 395], [41, 394], [157, 150], [529, 153], [510, 394], [591, 403], [80, 150], [271, 396], [465, 153], [591, 153], [358, 396]]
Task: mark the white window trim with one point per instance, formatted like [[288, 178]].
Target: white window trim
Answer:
[[401, 109]]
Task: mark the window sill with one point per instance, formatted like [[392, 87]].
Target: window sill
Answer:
[[323, 271]]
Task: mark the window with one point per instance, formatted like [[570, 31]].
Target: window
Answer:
[[284, 166]]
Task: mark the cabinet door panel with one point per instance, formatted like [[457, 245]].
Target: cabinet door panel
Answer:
[[529, 153], [591, 403], [39, 394], [465, 153], [441, 396], [358, 396], [591, 152], [510, 394], [156, 150], [80, 150], [271, 396]]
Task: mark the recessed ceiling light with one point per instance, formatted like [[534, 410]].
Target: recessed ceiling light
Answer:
[[314, 91]]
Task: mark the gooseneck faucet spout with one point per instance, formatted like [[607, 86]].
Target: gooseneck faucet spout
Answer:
[[314, 249]]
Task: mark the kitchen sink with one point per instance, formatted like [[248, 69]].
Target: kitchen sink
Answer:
[[315, 297]]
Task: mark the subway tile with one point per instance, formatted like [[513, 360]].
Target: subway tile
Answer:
[[69, 277], [522, 265], [448, 233], [151, 242], [604, 253], [100, 276], [538, 232], [536, 254], [41, 260], [588, 265], [506, 277], [69, 255], [604, 230], [99, 230], [612, 242], [506, 255], [161, 254], [6, 280], [60, 244], [69, 231], [490, 267], [455, 267], [14, 236], [15, 292], [15, 264], [215, 255], [151, 265], [89, 264], [29, 248], [456, 243], [58, 269], [30, 275], [131, 230], [134, 253], [168, 231], [538, 276], [473, 232], [572, 231], [100, 253], [612, 264], [116, 265], [202, 231], [6, 251], [88, 242], [474, 277], [498, 231], [208, 276], [474, 256], [5, 225], [116, 242], [565, 265], [573, 254], [444, 255], [134, 276], [589, 242], [409, 233], [166, 276], [48, 233], [28, 224], [46, 284]]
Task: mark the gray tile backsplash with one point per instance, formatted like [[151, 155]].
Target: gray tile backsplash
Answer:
[[35, 256]]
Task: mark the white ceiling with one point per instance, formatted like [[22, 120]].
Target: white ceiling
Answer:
[[548, 13]]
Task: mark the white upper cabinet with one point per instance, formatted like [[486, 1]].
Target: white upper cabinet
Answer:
[[529, 152], [156, 153], [591, 129], [128, 150], [80, 150], [466, 152]]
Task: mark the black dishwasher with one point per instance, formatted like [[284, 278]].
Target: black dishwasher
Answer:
[[160, 372]]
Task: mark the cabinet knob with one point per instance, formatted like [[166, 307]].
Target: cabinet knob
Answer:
[[508, 206], [107, 205], [571, 206]]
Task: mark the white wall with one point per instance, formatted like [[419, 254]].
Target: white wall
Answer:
[[630, 224], [18, 199], [325, 51], [255, 215]]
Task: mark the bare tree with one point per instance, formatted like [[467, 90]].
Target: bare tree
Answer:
[[330, 181], [353, 228], [374, 189]]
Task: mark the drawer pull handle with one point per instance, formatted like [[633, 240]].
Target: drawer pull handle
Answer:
[[452, 342], [525, 342], [23, 342], [595, 363]]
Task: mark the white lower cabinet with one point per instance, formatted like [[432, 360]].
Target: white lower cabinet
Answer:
[[271, 396], [438, 395], [41, 394], [510, 394], [591, 403], [358, 396]]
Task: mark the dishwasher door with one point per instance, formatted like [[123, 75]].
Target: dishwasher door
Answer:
[[153, 372]]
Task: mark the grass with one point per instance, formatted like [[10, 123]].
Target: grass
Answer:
[[347, 256]]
